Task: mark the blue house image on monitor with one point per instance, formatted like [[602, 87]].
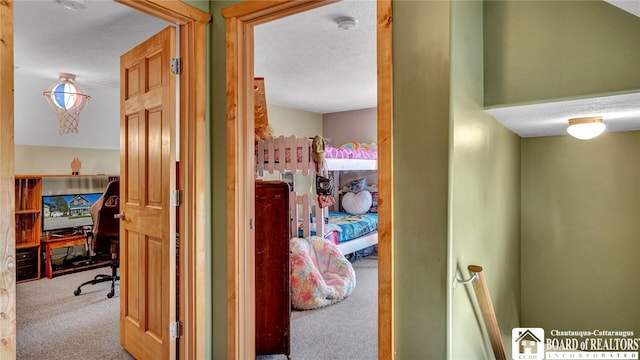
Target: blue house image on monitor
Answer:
[[79, 206]]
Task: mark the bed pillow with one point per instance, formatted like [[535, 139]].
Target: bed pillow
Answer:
[[357, 203], [374, 202], [358, 185]]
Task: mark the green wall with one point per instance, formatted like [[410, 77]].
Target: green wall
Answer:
[[538, 51], [421, 49], [484, 197], [580, 226], [579, 212], [217, 345]]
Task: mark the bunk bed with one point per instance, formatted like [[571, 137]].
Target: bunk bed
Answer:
[[349, 232], [318, 273], [298, 156], [295, 154]]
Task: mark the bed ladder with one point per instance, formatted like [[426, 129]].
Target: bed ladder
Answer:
[[486, 308], [305, 201]]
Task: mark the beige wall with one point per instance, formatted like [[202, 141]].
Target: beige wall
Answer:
[[484, 198], [347, 126], [49, 160], [286, 122], [352, 126], [580, 226], [338, 128]]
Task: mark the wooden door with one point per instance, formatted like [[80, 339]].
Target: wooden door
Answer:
[[147, 168]]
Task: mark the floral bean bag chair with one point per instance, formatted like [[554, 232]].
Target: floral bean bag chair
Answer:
[[320, 274]]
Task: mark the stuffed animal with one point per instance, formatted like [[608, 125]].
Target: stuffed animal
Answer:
[[262, 132], [318, 145], [357, 203]]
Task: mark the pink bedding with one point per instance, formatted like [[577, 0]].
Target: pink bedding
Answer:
[[349, 153], [329, 153], [320, 274]]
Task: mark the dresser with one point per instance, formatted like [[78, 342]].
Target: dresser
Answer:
[[272, 278]]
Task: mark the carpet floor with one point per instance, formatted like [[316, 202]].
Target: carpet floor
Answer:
[[52, 323], [347, 330]]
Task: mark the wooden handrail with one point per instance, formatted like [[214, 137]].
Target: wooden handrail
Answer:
[[488, 314]]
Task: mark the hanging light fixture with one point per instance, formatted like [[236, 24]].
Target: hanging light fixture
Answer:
[[585, 128], [67, 100]]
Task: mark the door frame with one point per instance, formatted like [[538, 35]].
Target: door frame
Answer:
[[240, 21], [191, 174]]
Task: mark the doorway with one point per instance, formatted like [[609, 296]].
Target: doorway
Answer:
[[241, 19], [313, 46], [191, 175]]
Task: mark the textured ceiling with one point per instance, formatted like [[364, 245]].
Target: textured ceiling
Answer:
[[619, 113], [308, 63], [50, 39]]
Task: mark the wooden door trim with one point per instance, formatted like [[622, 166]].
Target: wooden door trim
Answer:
[[386, 342], [7, 189], [240, 20]]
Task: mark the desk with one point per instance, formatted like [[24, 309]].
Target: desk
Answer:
[[53, 242]]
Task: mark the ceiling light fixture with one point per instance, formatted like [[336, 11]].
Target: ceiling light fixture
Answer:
[[346, 22], [67, 100], [74, 5], [585, 128]]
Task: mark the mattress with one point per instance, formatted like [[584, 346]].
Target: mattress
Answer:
[[343, 226], [353, 226]]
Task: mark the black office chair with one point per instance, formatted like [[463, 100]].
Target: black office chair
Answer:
[[104, 238]]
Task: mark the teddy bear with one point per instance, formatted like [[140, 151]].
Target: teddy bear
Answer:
[[262, 132]]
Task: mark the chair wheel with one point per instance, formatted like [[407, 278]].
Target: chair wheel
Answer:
[[76, 292], [110, 295]]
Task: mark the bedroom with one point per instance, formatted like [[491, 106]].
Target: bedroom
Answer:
[[293, 113]]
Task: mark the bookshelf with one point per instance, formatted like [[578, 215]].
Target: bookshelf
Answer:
[[28, 218]]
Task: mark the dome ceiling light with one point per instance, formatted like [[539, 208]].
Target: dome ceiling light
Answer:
[[346, 22], [585, 128], [74, 5]]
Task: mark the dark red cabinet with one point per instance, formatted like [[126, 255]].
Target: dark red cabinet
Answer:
[[273, 298]]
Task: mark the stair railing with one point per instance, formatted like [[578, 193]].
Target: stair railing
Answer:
[[486, 308]]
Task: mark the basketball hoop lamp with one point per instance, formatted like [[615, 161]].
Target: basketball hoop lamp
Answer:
[[67, 100]]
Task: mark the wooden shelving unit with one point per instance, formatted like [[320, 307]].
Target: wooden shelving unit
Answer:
[[29, 215], [28, 219]]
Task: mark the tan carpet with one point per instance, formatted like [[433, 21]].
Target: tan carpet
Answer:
[[53, 323]]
